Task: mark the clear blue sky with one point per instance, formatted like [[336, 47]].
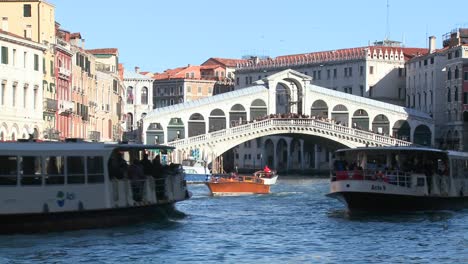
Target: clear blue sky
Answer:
[[157, 35]]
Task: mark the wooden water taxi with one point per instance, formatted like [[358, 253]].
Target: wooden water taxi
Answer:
[[233, 184], [56, 186]]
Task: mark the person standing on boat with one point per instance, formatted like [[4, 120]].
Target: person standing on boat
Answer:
[[158, 175], [136, 176], [267, 169], [147, 166]]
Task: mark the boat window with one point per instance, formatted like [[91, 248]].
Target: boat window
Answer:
[[75, 170], [420, 182], [95, 169], [8, 170], [31, 170], [465, 169], [54, 173]]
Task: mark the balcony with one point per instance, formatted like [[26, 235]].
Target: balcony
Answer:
[[94, 135], [64, 72], [51, 134], [104, 67], [65, 107], [50, 105]]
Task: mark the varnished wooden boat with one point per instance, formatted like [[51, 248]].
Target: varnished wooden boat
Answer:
[[237, 185]]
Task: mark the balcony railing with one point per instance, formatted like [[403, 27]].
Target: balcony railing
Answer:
[[65, 107], [50, 105], [65, 72], [94, 135]]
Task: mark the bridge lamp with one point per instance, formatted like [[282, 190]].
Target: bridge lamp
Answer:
[[156, 139], [178, 134]]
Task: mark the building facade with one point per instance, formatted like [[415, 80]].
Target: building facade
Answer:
[[35, 20], [138, 102], [63, 73], [181, 85], [21, 79], [375, 72], [106, 102], [437, 83]]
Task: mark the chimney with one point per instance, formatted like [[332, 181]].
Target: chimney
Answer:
[[432, 44], [4, 24], [83, 43], [137, 69]]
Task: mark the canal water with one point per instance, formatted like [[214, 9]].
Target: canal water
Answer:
[[294, 224]]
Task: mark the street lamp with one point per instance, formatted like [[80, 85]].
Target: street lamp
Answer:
[[156, 139]]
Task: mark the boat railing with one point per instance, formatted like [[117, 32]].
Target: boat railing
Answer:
[[395, 177]]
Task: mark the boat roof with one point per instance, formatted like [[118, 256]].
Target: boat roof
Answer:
[[405, 148], [29, 146]]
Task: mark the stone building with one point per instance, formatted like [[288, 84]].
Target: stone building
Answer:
[[437, 83], [21, 93]]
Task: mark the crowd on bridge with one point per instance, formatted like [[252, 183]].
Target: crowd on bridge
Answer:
[[302, 116]]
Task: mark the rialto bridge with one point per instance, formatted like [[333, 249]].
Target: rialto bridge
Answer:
[[285, 103]]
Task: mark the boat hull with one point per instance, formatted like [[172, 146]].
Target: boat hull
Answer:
[[237, 188], [197, 178], [88, 219], [382, 202]]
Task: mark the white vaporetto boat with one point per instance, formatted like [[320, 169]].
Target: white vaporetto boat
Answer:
[[54, 186], [400, 178], [196, 171]]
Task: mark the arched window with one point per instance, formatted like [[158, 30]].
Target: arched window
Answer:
[[449, 99], [449, 74], [144, 95], [456, 94], [129, 95], [457, 73]]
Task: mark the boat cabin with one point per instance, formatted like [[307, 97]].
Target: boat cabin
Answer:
[[426, 170]]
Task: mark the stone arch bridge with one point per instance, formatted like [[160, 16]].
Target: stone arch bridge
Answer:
[[284, 103]]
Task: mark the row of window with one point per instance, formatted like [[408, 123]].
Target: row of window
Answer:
[[317, 75], [50, 170], [131, 96], [5, 59], [14, 95]]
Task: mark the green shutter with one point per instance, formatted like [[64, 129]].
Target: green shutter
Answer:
[[4, 55], [36, 62], [51, 68], [43, 66]]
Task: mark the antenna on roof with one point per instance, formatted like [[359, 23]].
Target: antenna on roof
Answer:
[[387, 34]]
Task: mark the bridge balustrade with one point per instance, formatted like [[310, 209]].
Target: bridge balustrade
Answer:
[[288, 122]]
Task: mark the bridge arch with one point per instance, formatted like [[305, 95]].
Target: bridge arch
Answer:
[[196, 125], [237, 115], [281, 154], [283, 98], [175, 129], [360, 119], [269, 152], [217, 120], [295, 153], [340, 114], [258, 109], [401, 130], [422, 135], [381, 125], [319, 109], [455, 140]]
